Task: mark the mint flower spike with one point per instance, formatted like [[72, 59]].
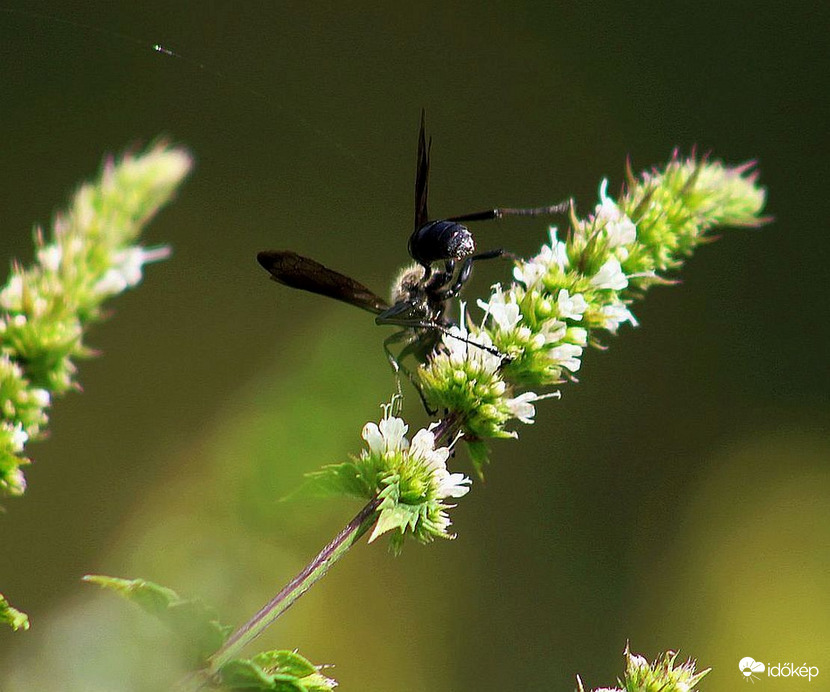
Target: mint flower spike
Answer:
[[577, 288], [89, 256], [662, 675]]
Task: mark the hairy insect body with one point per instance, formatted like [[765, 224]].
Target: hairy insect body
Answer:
[[407, 283]]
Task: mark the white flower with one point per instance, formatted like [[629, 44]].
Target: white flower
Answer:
[[503, 308], [474, 349], [50, 257], [522, 406], [570, 307], [111, 283], [616, 314], [619, 229], [553, 255], [11, 297], [388, 437], [610, 275], [529, 272], [18, 437], [567, 356], [419, 462], [446, 484], [41, 397], [558, 255], [552, 331], [126, 269]]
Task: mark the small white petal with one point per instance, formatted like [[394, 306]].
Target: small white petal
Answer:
[[112, 282], [455, 485], [19, 438], [41, 397], [393, 430], [12, 295], [567, 355], [570, 307], [50, 257], [423, 444], [616, 314], [373, 438], [522, 407], [610, 276], [578, 336]]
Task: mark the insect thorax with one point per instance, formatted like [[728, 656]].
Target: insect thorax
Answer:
[[408, 285]]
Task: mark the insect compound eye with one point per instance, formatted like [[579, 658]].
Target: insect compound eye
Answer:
[[441, 240]]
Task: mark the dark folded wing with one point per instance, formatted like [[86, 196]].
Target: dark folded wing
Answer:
[[294, 270], [422, 178]]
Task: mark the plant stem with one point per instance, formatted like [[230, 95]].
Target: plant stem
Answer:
[[446, 429], [313, 571], [353, 531]]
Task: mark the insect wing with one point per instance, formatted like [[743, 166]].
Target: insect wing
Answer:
[[422, 178], [294, 270]]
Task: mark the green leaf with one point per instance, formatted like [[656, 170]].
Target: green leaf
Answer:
[[479, 455], [16, 619], [276, 671], [193, 621], [286, 662], [337, 479]]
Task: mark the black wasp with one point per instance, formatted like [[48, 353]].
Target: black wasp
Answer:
[[421, 295]]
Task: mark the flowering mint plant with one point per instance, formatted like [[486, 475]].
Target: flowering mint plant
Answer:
[[89, 255], [484, 375]]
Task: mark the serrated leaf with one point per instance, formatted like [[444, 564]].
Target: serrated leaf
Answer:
[[196, 623], [336, 479], [12, 617]]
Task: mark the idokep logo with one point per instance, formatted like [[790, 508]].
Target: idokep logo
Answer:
[[752, 670]]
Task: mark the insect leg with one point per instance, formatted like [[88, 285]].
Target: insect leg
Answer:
[[441, 278], [467, 268], [488, 214], [398, 367]]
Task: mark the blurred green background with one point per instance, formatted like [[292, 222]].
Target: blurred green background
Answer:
[[678, 497]]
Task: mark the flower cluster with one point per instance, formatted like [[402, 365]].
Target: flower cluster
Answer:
[[465, 377], [534, 332], [411, 480], [88, 257], [11, 616], [663, 675]]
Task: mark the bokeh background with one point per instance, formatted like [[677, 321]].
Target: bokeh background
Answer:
[[678, 497]]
